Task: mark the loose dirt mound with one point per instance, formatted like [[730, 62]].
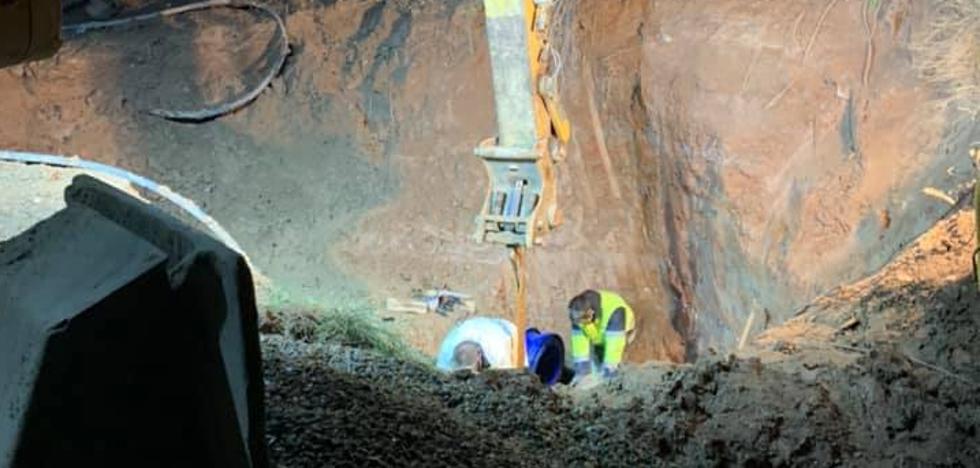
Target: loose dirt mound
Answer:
[[896, 387], [878, 409], [319, 416], [925, 303], [340, 406]]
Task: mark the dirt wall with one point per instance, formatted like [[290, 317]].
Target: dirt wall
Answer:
[[729, 159], [751, 155]]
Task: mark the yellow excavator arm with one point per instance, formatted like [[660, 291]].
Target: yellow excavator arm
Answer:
[[532, 130], [521, 199]]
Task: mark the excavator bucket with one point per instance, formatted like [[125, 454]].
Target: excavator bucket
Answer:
[[129, 339]]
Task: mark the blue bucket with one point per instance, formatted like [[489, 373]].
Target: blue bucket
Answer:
[[545, 355]]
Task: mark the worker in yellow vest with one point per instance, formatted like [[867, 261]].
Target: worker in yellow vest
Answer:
[[602, 325]]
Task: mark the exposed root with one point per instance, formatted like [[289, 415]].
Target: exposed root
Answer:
[[939, 195], [775, 99], [816, 30], [941, 370], [796, 29], [211, 112], [870, 28]]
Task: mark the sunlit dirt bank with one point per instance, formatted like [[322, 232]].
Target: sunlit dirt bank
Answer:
[[729, 162], [753, 176]]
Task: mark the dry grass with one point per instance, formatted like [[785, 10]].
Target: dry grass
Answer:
[[947, 53], [360, 327], [352, 324]]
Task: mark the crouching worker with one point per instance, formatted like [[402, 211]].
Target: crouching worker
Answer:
[[482, 343], [478, 344], [602, 326]]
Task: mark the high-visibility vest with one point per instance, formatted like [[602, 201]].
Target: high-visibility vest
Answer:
[[598, 333]]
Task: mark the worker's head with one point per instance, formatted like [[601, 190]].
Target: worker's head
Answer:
[[468, 355], [580, 312]]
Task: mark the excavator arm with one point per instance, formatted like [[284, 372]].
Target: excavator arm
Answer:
[[532, 130], [521, 198]]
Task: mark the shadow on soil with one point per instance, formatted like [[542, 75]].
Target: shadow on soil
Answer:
[[286, 196]]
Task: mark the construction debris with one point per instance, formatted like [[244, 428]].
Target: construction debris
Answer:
[[440, 301]]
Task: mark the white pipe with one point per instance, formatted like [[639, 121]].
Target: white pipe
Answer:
[[77, 163]]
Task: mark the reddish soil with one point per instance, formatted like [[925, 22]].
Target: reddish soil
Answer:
[[732, 162], [729, 160]]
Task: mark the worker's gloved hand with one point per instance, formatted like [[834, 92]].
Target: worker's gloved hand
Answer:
[[609, 372]]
